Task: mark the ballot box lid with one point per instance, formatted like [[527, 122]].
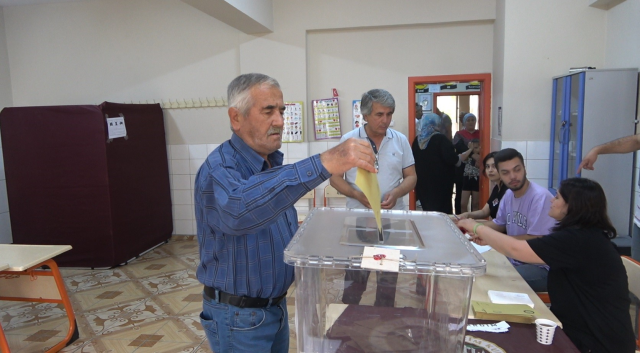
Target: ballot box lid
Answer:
[[429, 242]]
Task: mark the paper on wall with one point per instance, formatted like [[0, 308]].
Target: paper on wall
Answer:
[[116, 127]]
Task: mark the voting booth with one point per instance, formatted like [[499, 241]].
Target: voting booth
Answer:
[[95, 177], [435, 267]]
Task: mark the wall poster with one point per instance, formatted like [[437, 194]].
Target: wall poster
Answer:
[[358, 120], [326, 118], [293, 122]]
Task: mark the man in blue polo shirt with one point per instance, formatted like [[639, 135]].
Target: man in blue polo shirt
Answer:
[[245, 216], [396, 177]]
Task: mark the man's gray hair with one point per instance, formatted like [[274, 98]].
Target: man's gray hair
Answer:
[[238, 92], [379, 96]]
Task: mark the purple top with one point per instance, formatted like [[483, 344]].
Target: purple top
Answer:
[[528, 214]]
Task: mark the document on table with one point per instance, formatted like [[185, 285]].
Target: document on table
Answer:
[[498, 297], [368, 183], [481, 248]]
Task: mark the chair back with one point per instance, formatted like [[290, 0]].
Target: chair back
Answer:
[[329, 193]]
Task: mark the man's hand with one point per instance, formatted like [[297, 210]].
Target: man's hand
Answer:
[[588, 161], [351, 153], [388, 201], [622, 145]]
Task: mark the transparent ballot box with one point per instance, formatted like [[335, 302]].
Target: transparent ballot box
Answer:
[[420, 305]]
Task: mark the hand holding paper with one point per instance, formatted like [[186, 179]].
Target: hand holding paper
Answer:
[[351, 153]]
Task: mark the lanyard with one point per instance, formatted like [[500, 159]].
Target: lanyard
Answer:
[[375, 151]]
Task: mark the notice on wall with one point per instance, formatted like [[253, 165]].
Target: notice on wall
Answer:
[[116, 127], [326, 118], [293, 122], [358, 120]]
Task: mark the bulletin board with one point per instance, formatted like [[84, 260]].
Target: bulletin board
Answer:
[[293, 122], [358, 120], [326, 118]]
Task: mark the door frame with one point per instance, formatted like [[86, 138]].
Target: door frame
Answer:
[[484, 118]]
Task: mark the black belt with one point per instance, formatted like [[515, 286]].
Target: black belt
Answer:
[[242, 302]]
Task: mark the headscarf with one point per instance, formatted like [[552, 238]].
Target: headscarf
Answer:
[[429, 126], [467, 116], [464, 134]]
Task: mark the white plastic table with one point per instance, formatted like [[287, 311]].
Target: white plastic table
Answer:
[[21, 279]]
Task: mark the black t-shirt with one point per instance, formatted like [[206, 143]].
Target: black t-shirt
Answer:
[[494, 199], [588, 289]]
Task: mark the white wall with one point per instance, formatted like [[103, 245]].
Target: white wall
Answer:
[[5, 101], [544, 39], [132, 50], [534, 42], [123, 50], [357, 60], [498, 74], [622, 40]]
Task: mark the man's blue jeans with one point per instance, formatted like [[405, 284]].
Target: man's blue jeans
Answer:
[[535, 276], [256, 330]]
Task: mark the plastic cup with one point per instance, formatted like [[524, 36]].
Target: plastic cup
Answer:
[[545, 330]]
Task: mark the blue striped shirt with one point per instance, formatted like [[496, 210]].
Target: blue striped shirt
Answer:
[[245, 217]]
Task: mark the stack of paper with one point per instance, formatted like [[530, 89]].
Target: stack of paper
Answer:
[[498, 297], [498, 327], [503, 312]]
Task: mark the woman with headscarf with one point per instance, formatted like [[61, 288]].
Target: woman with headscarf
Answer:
[[435, 159], [461, 141]]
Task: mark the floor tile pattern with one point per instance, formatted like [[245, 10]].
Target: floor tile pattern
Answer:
[[151, 304]]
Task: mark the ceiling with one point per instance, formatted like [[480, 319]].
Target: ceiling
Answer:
[[29, 2]]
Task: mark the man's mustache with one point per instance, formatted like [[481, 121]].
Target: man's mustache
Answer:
[[274, 130]]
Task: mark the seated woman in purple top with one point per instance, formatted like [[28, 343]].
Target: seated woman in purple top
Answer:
[[587, 282]]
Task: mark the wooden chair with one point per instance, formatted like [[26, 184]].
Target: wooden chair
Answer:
[[633, 274], [329, 193], [311, 198], [544, 296]]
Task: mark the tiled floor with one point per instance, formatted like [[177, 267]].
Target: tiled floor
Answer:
[[149, 305], [153, 305]]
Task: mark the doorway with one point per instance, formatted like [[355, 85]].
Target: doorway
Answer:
[[446, 87]]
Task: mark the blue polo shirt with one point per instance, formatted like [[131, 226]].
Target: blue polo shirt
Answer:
[[245, 217]]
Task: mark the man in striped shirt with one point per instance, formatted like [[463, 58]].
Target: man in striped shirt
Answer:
[[245, 216]]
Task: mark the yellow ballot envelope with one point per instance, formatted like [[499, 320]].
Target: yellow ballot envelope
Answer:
[[368, 183], [521, 313]]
